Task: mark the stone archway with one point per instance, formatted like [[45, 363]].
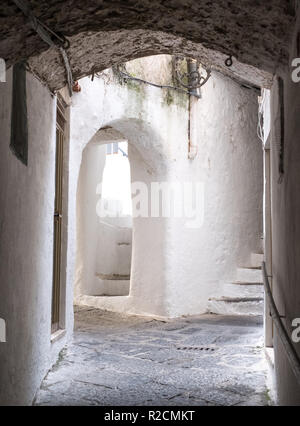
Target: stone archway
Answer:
[[106, 33]]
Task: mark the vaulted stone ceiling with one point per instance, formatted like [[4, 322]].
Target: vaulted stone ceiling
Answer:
[[105, 32]]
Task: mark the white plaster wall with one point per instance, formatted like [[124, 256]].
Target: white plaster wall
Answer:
[[148, 275], [125, 116], [113, 250], [175, 269], [93, 161], [285, 225], [230, 164], [26, 248]]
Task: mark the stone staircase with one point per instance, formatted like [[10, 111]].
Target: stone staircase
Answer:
[[114, 284], [245, 296], [113, 275]]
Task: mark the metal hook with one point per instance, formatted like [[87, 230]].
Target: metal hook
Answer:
[[229, 61]]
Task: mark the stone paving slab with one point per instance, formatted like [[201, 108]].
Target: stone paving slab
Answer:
[[128, 360]]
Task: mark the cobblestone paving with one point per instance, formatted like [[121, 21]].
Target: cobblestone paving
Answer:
[[126, 360]]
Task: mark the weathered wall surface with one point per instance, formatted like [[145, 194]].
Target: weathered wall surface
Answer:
[[175, 268], [286, 225], [103, 33], [26, 247]]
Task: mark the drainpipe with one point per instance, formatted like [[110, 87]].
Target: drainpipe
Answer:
[[192, 70]]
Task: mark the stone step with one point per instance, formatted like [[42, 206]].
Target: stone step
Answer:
[[235, 306], [245, 283], [237, 299], [249, 275], [231, 290], [113, 277], [113, 287], [256, 260]]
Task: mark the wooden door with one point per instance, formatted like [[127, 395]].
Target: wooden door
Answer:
[[58, 215]]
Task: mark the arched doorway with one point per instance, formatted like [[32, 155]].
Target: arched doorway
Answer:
[[104, 220], [130, 287]]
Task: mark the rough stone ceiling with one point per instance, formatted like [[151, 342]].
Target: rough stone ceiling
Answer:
[[105, 32]]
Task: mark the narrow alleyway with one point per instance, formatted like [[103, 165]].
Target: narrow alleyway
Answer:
[[128, 360]]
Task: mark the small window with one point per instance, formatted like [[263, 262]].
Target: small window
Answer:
[[109, 149], [115, 148], [112, 148]]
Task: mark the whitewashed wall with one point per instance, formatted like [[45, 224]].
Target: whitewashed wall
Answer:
[[175, 269], [285, 222], [26, 247], [93, 161]]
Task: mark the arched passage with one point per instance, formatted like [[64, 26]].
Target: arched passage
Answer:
[[264, 45], [177, 268], [112, 32], [148, 273]]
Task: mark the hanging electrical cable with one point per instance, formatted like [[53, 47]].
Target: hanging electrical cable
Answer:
[[192, 79], [198, 80], [53, 39], [187, 73]]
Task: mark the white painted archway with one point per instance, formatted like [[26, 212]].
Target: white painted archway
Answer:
[[148, 271]]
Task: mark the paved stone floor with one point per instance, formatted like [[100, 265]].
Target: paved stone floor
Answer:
[[127, 360]]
